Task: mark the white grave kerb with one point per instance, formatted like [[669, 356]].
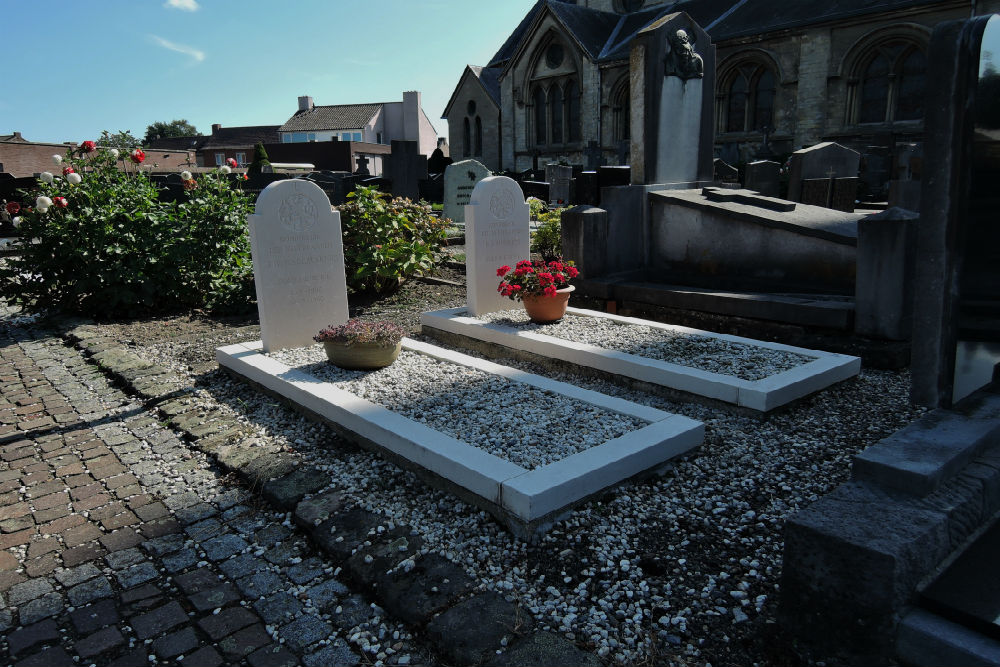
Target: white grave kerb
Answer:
[[298, 262], [496, 234]]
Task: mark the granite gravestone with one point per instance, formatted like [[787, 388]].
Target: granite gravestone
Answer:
[[406, 167], [825, 160], [559, 178], [496, 234], [725, 172], [298, 261], [764, 176], [460, 179], [672, 84], [595, 156]]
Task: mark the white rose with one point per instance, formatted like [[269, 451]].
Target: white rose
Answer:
[[57, 159], [73, 178], [185, 175], [114, 153], [16, 221], [225, 169], [45, 177], [42, 209], [43, 202]]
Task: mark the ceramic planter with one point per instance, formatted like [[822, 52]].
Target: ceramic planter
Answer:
[[361, 356], [546, 309]]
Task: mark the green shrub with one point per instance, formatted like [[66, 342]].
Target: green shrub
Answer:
[[259, 159], [536, 207], [107, 246], [387, 240], [547, 239]]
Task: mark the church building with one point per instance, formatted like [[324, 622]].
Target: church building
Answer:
[[789, 74]]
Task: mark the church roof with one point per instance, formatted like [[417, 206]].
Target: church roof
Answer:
[[489, 79]]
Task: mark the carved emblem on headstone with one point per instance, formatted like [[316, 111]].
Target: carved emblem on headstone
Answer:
[[682, 60], [297, 213], [502, 204]]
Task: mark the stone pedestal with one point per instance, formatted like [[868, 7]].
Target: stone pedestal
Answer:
[[883, 296], [585, 239]]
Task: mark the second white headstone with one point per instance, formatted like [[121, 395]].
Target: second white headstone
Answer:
[[298, 264], [497, 233]]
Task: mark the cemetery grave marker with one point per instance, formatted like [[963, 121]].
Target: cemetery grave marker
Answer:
[[764, 177], [298, 261], [496, 234], [460, 178], [406, 167], [559, 178], [825, 160]]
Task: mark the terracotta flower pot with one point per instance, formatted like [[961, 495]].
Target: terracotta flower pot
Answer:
[[546, 309], [361, 356]]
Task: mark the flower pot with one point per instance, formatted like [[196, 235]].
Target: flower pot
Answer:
[[361, 356], [546, 309]]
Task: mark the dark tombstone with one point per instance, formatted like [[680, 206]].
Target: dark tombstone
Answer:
[[595, 156], [558, 177], [876, 171], [611, 177], [437, 162], [378, 182], [724, 172], [764, 176], [765, 151], [362, 163], [534, 162], [815, 192], [825, 160], [4, 176], [844, 194], [536, 189], [585, 239], [956, 344], [405, 167], [586, 189], [883, 296], [624, 149], [432, 188]]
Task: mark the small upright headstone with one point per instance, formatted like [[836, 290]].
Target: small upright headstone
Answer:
[[825, 160], [610, 177], [672, 74], [725, 172], [844, 196], [815, 192], [595, 156], [406, 167], [536, 189], [298, 262], [764, 176], [559, 177], [459, 180], [496, 234], [586, 190]]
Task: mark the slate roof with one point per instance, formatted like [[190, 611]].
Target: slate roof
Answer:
[[490, 78], [192, 142], [248, 135], [332, 117], [13, 137]]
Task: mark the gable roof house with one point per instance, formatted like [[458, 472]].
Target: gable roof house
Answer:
[[374, 123], [234, 142]]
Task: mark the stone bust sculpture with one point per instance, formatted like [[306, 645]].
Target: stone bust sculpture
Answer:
[[682, 60]]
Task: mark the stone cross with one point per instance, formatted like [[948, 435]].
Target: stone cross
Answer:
[[362, 162]]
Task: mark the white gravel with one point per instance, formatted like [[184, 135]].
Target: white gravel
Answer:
[[682, 569], [747, 362], [527, 426]]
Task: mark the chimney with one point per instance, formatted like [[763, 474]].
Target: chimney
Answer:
[[411, 115], [216, 127], [306, 103]]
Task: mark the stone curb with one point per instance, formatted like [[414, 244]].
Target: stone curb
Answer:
[[427, 592]]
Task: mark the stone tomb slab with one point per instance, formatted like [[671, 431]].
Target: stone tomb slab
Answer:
[[818, 370], [298, 261], [527, 501]]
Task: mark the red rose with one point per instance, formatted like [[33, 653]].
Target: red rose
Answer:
[[550, 290], [88, 147], [502, 271], [13, 208], [68, 170], [231, 162], [60, 202], [137, 156], [244, 177], [573, 273]]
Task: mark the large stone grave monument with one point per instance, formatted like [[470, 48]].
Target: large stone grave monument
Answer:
[[298, 262], [827, 160], [764, 176], [406, 167], [672, 70], [460, 179], [560, 179], [496, 234]]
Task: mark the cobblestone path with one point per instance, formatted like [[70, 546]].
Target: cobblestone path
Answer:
[[120, 545]]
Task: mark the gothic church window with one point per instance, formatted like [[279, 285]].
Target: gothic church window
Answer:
[[466, 138], [748, 98], [890, 83], [479, 136]]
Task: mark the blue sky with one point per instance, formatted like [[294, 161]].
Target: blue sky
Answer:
[[75, 68]]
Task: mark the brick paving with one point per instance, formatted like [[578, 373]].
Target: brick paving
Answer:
[[120, 545]]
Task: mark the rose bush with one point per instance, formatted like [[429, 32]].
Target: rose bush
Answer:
[[102, 243]]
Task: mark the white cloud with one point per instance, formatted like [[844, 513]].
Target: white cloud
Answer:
[[197, 54], [184, 5]]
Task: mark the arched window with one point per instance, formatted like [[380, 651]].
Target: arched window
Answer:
[[466, 138], [479, 136], [747, 99], [573, 111], [556, 113], [540, 125], [890, 83], [621, 112]]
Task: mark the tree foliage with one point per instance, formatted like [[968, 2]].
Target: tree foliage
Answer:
[[175, 128], [122, 139], [259, 159]]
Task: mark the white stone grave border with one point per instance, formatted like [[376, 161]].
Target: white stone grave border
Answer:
[[764, 395], [527, 501]]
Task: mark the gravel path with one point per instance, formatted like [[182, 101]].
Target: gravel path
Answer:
[[682, 569], [522, 424], [747, 362]]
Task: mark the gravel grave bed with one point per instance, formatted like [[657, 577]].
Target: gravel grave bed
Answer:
[[746, 362], [681, 569], [525, 425]]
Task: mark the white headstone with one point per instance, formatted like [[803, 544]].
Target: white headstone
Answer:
[[459, 180], [496, 234], [298, 263]]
